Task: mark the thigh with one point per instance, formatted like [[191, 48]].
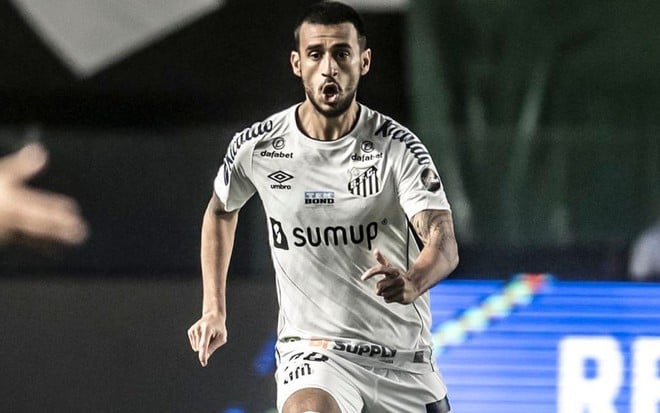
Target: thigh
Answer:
[[309, 400], [315, 381], [404, 392]]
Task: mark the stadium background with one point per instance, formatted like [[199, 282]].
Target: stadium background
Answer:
[[542, 117]]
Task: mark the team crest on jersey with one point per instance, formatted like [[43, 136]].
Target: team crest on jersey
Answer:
[[364, 182]]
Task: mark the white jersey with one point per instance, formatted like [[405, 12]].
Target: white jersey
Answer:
[[328, 205]]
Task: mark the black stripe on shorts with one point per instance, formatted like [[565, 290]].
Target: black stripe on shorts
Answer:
[[441, 406]]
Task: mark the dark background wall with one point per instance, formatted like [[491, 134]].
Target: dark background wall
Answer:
[[102, 327], [139, 143], [105, 345], [231, 65]]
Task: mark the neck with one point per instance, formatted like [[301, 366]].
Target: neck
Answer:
[[318, 126]]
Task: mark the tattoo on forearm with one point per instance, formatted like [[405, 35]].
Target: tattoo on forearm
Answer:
[[435, 228]]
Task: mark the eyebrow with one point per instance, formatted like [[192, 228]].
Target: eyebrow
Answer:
[[316, 46]]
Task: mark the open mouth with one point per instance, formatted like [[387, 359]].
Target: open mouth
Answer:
[[330, 92]]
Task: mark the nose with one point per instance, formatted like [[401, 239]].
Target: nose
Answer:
[[329, 66]]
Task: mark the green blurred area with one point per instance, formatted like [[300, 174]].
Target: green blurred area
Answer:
[[542, 115]]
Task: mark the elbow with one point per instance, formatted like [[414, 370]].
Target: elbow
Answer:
[[453, 258], [453, 263]]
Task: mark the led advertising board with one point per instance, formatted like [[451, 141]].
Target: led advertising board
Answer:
[[537, 344]]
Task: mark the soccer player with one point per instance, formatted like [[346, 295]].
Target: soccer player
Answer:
[[29, 215], [359, 230]]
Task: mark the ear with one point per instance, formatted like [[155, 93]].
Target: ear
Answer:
[[365, 58], [295, 63]]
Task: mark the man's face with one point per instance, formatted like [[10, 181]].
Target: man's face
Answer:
[[330, 64]]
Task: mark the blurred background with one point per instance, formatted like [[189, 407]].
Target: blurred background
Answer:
[[542, 117]]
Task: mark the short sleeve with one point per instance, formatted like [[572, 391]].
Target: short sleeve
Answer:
[[233, 184], [419, 185]]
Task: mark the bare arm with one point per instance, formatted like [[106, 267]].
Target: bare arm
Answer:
[[438, 258], [218, 229]]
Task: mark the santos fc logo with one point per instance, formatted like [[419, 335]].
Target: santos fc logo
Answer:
[[327, 236], [364, 182]]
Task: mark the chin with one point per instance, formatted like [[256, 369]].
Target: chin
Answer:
[[334, 110]]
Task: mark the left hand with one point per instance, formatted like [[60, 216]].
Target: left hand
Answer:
[[395, 287]]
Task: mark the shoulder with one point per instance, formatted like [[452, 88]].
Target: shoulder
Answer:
[[243, 142], [392, 133], [270, 127]]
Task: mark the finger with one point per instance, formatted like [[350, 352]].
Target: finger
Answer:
[[25, 163], [389, 293], [376, 269], [381, 258], [203, 351], [192, 336], [389, 286], [387, 271], [68, 231], [50, 216], [371, 272], [394, 298]]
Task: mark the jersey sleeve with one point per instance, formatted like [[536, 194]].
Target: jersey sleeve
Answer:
[[419, 185], [233, 184]]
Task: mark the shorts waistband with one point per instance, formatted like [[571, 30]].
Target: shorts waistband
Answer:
[[365, 353]]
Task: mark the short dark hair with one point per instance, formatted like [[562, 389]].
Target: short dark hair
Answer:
[[331, 12]]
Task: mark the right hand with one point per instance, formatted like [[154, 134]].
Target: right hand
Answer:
[[207, 335]]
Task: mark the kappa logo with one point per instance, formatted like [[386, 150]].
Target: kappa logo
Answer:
[[253, 132], [396, 132], [279, 238], [280, 177], [365, 183]]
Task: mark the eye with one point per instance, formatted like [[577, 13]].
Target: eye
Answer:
[[343, 54], [314, 55]]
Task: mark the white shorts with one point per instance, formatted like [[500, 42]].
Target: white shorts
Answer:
[[357, 388]]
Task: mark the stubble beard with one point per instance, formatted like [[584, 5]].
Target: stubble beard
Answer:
[[338, 109]]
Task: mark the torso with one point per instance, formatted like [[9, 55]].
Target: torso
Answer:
[[328, 205]]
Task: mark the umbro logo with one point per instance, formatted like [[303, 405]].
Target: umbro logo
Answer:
[[280, 177]]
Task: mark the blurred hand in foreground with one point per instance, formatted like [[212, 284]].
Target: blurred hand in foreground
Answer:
[[33, 215]]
